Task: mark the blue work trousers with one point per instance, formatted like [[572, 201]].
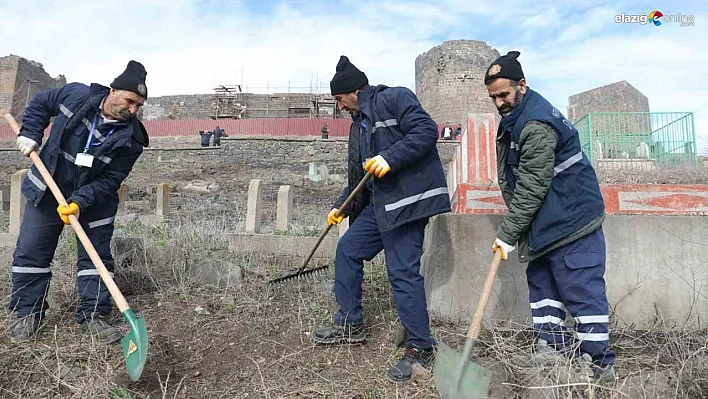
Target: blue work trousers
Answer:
[[403, 247], [572, 278]]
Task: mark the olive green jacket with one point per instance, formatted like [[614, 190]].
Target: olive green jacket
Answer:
[[533, 180]]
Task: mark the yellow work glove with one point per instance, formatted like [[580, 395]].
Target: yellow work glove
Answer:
[[505, 248], [66, 210], [378, 166], [333, 219]]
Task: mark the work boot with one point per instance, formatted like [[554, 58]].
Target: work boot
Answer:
[[103, 332], [593, 373], [403, 370], [339, 334], [25, 327], [584, 371], [543, 355]]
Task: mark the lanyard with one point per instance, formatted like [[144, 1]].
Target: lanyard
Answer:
[[90, 136]]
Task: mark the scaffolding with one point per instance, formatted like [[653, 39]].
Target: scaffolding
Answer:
[[229, 102]]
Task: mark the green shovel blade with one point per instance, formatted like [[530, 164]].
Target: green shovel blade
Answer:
[[474, 381], [135, 345]]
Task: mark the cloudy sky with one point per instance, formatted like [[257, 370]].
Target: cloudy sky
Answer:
[[191, 46]]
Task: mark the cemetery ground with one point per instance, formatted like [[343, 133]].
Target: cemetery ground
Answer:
[[245, 339]]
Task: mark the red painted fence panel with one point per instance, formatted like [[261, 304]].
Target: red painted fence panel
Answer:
[[252, 127], [276, 127]]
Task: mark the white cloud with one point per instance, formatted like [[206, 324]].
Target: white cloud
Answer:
[[189, 46]]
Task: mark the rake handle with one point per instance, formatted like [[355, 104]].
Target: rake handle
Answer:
[[120, 301], [349, 199]]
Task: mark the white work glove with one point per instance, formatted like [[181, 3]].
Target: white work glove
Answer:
[[505, 248], [26, 145]]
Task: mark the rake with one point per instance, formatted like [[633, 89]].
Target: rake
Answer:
[[311, 272]]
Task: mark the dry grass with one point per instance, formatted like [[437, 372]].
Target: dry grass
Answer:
[[658, 176], [244, 339], [248, 340]]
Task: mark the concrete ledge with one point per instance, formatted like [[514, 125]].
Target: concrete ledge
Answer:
[[8, 240], [298, 246], [656, 272], [182, 149], [631, 199]]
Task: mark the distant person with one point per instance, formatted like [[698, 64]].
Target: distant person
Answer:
[[325, 131], [218, 134], [458, 132], [206, 138], [447, 132]]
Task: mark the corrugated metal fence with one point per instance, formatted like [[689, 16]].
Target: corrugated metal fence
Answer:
[[252, 127], [275, 127]]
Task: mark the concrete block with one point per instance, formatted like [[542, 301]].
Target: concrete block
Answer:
[[8, 240], [284, 210], [281, 245], [254, 212], [324, 174], [4, 200], [215, 272], [17, 201], [655, 271], [122, 196], [163, 200]]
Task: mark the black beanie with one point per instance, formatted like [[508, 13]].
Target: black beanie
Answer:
[[132, 79], [506, 66], [347, 78]]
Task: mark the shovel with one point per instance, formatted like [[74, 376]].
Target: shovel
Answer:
[[300, 273], [135, 343], [455, 376]]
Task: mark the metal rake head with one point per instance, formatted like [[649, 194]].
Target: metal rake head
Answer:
[[306, 274]]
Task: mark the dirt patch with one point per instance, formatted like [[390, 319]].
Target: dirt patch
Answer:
[[250, 340]]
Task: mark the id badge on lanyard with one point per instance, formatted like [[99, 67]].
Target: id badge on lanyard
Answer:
[[85, 159]]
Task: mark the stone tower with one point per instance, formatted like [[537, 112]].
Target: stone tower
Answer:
[[449, 80], [614, 97]]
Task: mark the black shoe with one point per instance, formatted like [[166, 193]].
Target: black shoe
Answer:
[[101, 330], [25, 327], [403, 370], [338, 334]]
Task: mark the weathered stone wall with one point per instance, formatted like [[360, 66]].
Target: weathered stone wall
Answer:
[[449, 80], [291, 153], [20, 80], [615, 97], [204, 106], [8, 73]]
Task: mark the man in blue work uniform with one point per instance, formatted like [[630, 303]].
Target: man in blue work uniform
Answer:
[[94, 142], [556, 211], [394, 138]]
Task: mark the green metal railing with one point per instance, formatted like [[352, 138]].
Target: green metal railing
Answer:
[[647, 139]]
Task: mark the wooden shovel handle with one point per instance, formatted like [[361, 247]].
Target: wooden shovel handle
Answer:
[[476, 325], [120, 301]]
